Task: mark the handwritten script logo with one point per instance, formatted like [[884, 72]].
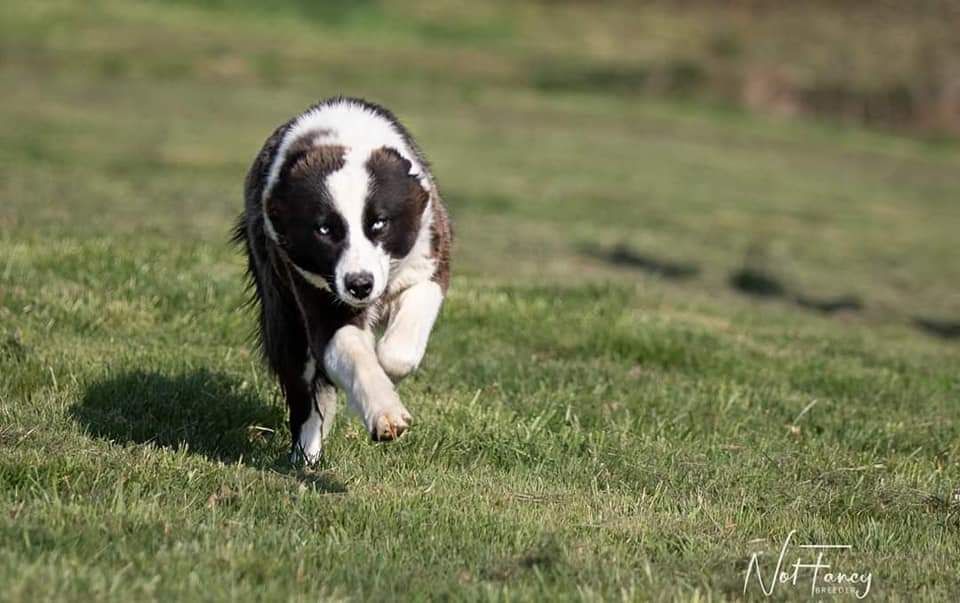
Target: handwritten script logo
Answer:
[[814, 558]]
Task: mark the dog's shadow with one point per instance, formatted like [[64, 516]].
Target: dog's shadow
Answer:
[[207, 413]]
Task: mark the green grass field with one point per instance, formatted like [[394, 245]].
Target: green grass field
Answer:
[[601, 414]]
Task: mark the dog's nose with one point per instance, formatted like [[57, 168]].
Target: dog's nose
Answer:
[[359, 284]]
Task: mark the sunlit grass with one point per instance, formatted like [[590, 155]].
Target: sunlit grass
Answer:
[[589, 424]]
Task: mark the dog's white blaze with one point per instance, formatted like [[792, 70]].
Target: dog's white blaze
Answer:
[[348, 188]]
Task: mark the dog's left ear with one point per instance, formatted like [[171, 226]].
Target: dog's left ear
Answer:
[[387, 164]]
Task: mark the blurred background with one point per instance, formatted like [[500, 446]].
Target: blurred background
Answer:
[[802, 151]]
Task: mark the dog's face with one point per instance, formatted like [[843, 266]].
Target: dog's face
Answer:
[[343, 219]]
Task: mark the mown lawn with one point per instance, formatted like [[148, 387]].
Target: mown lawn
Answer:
[[631, 389]]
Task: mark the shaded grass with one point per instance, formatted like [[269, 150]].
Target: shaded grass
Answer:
[[203, 412]]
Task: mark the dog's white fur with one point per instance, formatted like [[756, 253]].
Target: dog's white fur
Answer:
[[317, 426], [412, 315], [352, 364]]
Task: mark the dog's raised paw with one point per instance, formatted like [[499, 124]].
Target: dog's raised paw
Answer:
[[397, 361], [390, 425]]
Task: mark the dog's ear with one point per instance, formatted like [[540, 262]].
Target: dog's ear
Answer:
[[389, 168], [305, 157], [306, 163]]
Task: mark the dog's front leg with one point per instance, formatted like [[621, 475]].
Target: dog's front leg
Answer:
[[352, 364], [412, 316]]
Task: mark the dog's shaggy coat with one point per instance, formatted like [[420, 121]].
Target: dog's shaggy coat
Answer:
[[345, 235]]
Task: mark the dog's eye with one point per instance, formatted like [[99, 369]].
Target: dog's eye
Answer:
[[379, 225], [322, 229]]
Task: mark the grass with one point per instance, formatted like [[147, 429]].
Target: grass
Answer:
[[602, 415]]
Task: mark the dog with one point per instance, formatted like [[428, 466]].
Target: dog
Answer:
[[346, 237]]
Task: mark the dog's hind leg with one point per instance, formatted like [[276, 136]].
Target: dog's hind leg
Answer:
[[312, 403], [308, 445], [351, 363], [412, 315]]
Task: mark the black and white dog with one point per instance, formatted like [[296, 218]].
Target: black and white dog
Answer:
[[345, 235]]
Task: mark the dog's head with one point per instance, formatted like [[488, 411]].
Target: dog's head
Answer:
[[344, 215]]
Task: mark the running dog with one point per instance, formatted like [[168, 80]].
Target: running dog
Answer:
[[346, 237]]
